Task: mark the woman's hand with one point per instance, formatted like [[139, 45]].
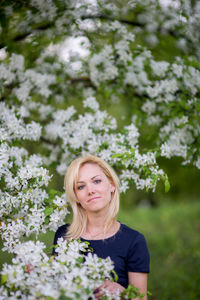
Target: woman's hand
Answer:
[[108, 287]]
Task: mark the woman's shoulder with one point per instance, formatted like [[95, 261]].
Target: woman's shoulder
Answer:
[[135, 242], [131, 234], [62, 227], [129, 231], [61, 231]]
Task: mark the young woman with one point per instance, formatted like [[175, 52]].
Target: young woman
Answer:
[[93, 191]]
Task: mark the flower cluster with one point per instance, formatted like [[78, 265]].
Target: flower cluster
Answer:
[[24, 81], [95, 132], [13, 127], [69, 274], [25, 206], [164, 87]]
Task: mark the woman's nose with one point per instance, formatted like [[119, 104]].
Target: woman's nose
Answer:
[[90, 189]]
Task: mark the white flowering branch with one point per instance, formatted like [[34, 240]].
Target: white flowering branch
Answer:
[[69, 274]]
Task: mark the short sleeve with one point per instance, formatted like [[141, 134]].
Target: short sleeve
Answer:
[[138, 256]]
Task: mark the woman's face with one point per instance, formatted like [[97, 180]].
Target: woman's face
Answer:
[[93, 188]]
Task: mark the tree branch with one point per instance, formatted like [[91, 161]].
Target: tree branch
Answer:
[[104, 17], [124, 21], [84, 79], [47, 25], [22, 36]]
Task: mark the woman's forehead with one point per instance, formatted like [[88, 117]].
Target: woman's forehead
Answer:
[[89, 170]]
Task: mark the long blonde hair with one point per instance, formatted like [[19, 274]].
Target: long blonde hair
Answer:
[[79, 221]]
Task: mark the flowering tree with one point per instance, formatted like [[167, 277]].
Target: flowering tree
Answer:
[[40, 129]]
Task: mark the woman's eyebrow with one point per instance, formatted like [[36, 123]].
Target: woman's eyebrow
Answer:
[[91, 178], [95, 176]]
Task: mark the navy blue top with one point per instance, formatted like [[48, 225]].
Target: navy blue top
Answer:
[[127, 249]]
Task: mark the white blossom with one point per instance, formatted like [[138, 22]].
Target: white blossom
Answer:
[[173, 148], [91, 103], [149, 107], [62, 116], [177, 70], [159, 68], [197, 162], [31, 267]]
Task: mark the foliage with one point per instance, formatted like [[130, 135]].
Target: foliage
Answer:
[[172, 233]]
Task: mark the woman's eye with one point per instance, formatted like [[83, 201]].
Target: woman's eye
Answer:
[[80, 187], [97, 181]]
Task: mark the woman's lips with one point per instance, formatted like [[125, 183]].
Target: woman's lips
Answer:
[[94, 198]]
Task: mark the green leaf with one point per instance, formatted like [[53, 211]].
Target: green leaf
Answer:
[[48, 211], [117, 155], [80, 259], [167, 184], [63, 297], [87, 290], [4, 278], [115, 276], [47, 220], [53, 193], [14, 274]]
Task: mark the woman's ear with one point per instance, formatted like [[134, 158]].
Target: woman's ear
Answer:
[[112, 188]]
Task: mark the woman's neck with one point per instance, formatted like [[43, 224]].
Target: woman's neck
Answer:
[[95, 228], [95, 222]]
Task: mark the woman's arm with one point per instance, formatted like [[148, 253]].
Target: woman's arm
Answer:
[[139, 280]]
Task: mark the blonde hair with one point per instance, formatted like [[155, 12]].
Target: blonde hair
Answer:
[[79, 221]]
